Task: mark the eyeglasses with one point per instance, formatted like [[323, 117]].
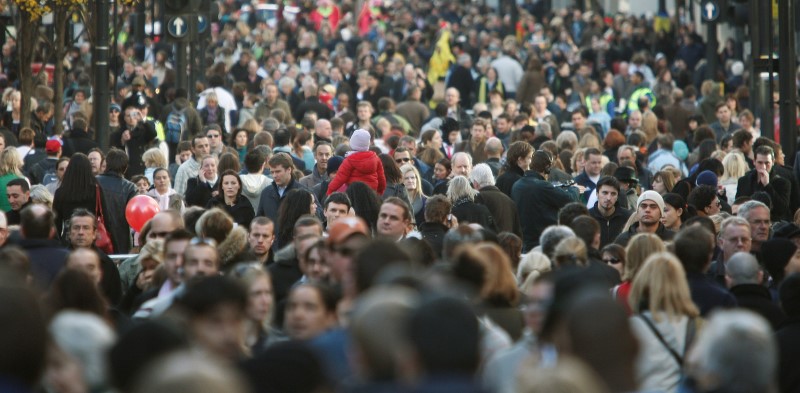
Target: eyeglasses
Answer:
[[203, 241], [402, 160], [611, 260]]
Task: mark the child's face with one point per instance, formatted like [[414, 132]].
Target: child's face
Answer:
[[142, 186], [452, 137]]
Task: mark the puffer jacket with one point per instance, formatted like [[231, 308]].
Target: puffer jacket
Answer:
[[363, 166]]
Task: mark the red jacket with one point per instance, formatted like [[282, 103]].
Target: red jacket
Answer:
[[363, 166]]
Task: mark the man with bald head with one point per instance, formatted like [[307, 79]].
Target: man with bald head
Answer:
[[323, 131], [160, 226], [323, 151], [494, 152], [743, 277]]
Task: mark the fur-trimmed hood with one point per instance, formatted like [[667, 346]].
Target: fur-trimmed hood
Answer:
[[233, 246]]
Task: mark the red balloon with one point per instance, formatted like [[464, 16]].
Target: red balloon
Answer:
[[140, 210]]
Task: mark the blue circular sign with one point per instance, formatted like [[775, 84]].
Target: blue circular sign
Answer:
[[178, 27], [709, 9], [202, 24]]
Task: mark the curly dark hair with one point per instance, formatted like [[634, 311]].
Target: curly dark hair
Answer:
[[366, 202]]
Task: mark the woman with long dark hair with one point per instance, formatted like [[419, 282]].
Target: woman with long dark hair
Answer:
[[366, 203], [230, 199], [296, 203], [79, 189]]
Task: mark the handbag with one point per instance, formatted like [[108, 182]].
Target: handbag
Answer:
[[103, 240]]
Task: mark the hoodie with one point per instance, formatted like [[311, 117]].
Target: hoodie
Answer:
[[252, 185]]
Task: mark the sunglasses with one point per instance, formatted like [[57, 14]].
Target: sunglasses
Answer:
[[402, 160], [611, 260]]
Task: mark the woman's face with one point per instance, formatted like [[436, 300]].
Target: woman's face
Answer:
[[241, 139], [142, 186], [313, 206], [16, 101], [306, 316], [161, 180], [745, 122], [209, 169], [212, 103], [62, 167], [671, 216], [230, 186], [79, 98], [579, 164], [524, 163], [410, 181], [260, 300], [436, 141], [610, 260], [440, 172], [658, 185]]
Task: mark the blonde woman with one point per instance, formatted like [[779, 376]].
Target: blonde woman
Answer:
[[532, 265], [153, 159], [213, 113], [151, 274], [10, 169], [639, 249], [413, 183], [665, 321], [735, 167]]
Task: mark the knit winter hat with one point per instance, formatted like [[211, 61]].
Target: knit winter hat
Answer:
[[360, 140], [334, 163], [707, 178], [653, 196]]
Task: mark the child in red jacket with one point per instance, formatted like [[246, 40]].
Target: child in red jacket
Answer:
[[360, 164]]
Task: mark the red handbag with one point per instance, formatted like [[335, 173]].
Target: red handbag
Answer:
[[103, 240]]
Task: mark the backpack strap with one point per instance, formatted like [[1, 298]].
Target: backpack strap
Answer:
[[678, 358]]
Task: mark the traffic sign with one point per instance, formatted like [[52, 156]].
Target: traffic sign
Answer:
[[709, 9], [202, 24], [178, 27]]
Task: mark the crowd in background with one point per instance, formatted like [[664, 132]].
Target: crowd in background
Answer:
[[417, 196]]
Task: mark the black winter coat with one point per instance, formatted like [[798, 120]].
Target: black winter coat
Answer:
[[241, 211], [779, 190], [610, 227], [118, 191], [788, 337], [538, 202], [198, 192], [467, 211]]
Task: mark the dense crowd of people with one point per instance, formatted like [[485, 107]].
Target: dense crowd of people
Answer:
[[412, 196]]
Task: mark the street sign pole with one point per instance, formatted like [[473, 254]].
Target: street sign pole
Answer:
[[788, 89], [709, 9]]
